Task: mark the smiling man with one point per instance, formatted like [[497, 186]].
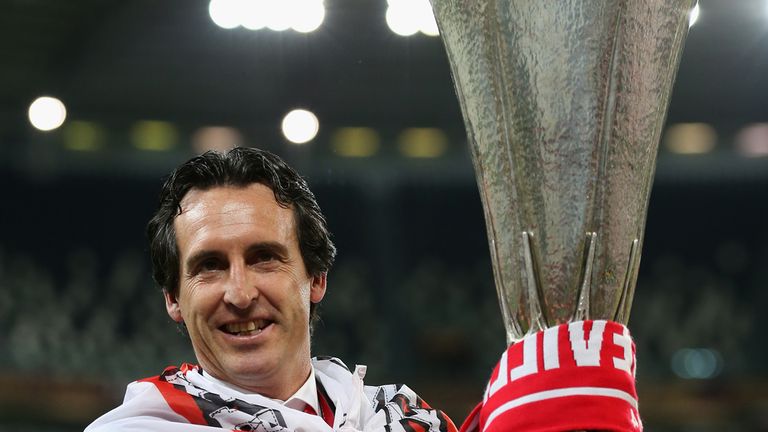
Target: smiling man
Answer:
[[241, 251], [244, 291]]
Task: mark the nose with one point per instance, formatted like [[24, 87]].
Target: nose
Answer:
[[240, 292]]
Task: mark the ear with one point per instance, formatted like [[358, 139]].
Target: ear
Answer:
[[172, 306], [317, 289]]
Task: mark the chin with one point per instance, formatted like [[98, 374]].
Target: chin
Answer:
[[251, 367]]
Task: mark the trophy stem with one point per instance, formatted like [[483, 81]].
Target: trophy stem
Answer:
[[538, 320], [628, 292], [582, 305]]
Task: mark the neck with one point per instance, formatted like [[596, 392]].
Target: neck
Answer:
[[290, 384], [281, 385]]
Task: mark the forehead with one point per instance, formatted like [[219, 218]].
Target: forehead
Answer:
[[250, 213]]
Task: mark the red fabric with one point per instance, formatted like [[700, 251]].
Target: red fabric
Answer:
[[180, 402], [472, 423], [309, 410], [326, 410], [184, 404], [579, 380]]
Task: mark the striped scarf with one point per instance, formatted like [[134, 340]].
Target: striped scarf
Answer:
[[345, 403]]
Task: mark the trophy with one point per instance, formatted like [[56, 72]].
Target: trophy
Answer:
[[564, 103]]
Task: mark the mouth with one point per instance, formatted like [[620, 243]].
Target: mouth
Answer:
[[247, 328]]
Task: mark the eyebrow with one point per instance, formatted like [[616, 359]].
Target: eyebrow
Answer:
[[204, 254], [277, 248]]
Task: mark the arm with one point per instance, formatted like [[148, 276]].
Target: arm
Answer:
[[572, 377]]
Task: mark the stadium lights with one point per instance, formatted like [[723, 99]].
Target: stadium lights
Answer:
[[302, 16], [154, 135], [300, 126], [47, 113], [225, 13], [217, 138], [690, 138], [308, 17], [408, 17], [355, 142], [697, 363], [752, 140], [81, 135], [423, 143]]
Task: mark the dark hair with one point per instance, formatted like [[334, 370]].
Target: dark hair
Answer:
[[238, 167]]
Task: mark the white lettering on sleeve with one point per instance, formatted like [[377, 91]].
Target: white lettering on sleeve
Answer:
[[529, 365], [623, 340], [501, 378], [551, 353], [586, 352]]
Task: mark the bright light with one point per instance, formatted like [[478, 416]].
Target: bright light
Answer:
[[217, 138], [697, 363], [280, 15], [303, 16], [427, 23], [255, 14], [154, 135], [226, 13], [408, 17], [423, 142], [355, 142], [694, 15], [401, 21], [752, 141], [47, 113], [300, 126], [81, 135], [308, 15], [690, 138]]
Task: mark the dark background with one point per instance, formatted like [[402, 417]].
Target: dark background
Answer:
[[412, 293]]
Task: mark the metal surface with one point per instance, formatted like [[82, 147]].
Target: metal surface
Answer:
[[564, 103]]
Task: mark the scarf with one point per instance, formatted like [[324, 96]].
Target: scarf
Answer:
[[183, 399], [575, 376]]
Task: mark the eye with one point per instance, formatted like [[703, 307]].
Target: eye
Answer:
[[210, 264], [264, 256]]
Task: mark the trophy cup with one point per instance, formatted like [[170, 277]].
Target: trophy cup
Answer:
[[564, 103]]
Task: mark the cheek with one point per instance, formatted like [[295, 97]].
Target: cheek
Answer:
[[196, 300], [284, 291], [302, 293]]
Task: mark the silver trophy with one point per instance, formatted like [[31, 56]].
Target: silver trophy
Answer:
[[564, 103]]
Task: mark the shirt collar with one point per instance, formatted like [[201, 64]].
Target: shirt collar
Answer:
[[306, 395]]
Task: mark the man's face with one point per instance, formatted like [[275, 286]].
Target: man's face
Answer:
[[244, 292]]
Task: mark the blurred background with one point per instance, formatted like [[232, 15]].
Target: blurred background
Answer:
[[100, 99]]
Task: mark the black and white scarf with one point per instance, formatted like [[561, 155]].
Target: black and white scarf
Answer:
[[184, 399]]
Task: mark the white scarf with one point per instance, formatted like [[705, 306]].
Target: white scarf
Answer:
[[181, 399]]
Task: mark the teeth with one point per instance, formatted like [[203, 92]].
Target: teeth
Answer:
[[249, 333], [246, 328]]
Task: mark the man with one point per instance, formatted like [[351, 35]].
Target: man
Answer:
[[241, 251]]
